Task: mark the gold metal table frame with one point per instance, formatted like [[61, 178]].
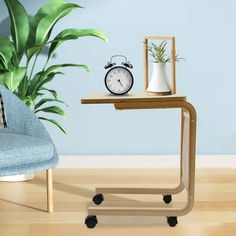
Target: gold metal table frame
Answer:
[[187, 167]]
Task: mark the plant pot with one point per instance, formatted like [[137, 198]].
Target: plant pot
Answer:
[[17, 178], [159, 84]]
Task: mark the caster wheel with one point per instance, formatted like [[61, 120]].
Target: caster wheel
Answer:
[[172, 221], [98, 199], [91, 221], [167, 199]]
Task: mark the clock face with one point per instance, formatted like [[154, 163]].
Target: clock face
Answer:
[[119, 80]]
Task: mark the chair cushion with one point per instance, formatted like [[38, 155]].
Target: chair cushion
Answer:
[[16, 149]]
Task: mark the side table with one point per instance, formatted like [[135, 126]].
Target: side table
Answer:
[[187, 167]]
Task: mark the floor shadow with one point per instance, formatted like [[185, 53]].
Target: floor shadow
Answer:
[[83, 192], [22, 205], [67, 188]]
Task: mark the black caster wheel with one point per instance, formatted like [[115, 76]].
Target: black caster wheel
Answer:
[[167, 199], [172, 221], [98, 199], [91, 221]]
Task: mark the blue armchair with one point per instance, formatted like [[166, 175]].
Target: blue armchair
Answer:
[[25, 145]]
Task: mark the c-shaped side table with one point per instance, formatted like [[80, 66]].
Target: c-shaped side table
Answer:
[[187, 167]]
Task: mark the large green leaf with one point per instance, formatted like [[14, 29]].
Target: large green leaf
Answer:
[[3, 63], [22, 88], [45, 100], [55, 123], [48, 75], [39, 80], [12, 79], [50, 6], [52, 109], [33, 50], [20, 27], [46, 24], [52, 91], [30, 99], [6, 50], [2, 66], [72, 34], [55, 67], [45, 10], [43, 22]]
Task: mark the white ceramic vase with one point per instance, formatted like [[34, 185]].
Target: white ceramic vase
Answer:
[[159, 83]]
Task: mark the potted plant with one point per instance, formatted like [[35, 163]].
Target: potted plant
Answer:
[[28, 37], [159, 83], [19, 55]]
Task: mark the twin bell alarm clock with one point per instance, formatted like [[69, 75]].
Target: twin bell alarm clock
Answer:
[[118, 79]]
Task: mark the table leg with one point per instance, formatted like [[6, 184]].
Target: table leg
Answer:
[[188, 140]]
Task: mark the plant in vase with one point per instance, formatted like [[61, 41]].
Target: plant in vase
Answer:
[[159, 83], [19, 55]]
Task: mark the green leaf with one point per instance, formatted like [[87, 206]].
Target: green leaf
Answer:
[[159, 53], [20, 27], [55, 123], [2, 66], [12, 79], [46, 24], [39, 80], [45, 100], [30, 99], [48, 75], [55, 67], [22, 88], [72, 34], [31, 51], [52, 109], [53, 92], [33, 83], [43, 22], [39, 84], [45, 10], [6, 50], [3, 63]]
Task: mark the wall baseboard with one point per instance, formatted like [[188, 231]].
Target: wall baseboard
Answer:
[[143, 161]]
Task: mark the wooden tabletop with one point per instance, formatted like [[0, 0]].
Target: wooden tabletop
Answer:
[[103, 98]]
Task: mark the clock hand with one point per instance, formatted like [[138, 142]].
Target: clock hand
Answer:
[[120, 82]]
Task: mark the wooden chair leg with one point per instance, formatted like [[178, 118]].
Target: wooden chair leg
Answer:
[[49, 179]]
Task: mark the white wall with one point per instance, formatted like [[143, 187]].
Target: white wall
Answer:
[[205, 34]]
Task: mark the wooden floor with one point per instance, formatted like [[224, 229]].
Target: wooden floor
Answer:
[[23, 205]]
